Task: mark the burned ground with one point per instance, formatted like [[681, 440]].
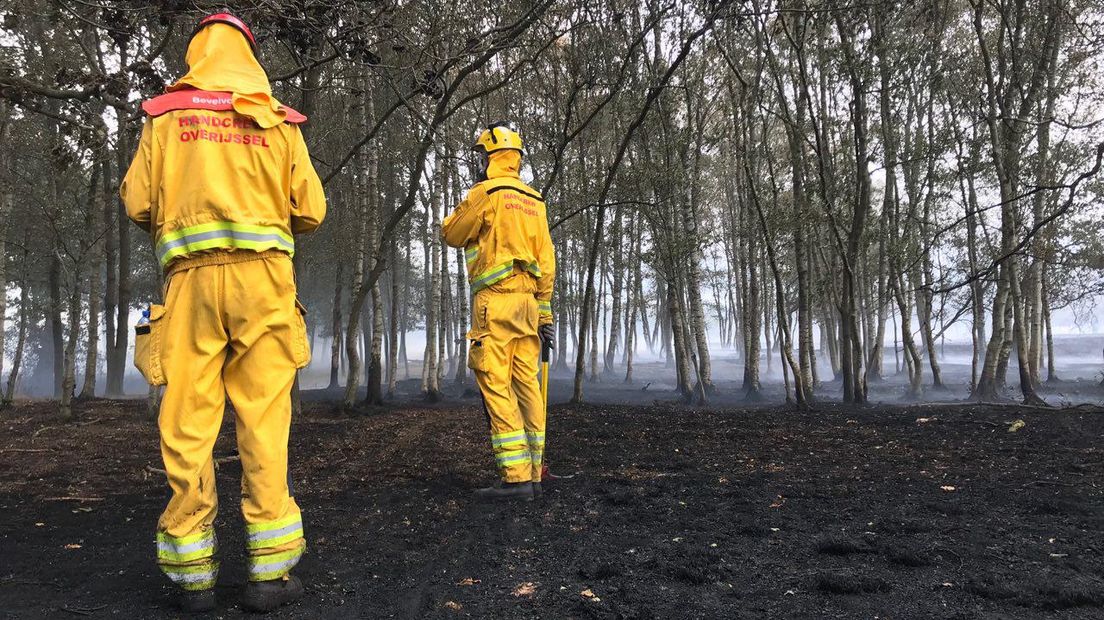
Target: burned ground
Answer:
[[921, 512]]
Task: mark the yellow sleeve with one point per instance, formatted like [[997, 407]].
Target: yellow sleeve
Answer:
[[461, 227], [308, 200], [546, 259], [135, 189]]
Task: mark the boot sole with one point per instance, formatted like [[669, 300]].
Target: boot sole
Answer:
[[263, 603], [505, 498], [197, 604]]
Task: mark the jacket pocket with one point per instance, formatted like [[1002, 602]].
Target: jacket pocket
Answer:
[[476, 356], [147, 346], [300, 345]]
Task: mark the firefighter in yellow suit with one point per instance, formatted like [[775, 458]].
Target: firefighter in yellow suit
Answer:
[[222, 181], [503, 225]]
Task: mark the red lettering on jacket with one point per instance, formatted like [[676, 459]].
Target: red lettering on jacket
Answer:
[[194, 135]]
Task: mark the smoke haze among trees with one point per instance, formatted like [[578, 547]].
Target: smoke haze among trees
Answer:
[[811, 192]]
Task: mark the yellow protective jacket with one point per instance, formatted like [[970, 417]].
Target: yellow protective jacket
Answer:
[[503, 225], [221, 170]]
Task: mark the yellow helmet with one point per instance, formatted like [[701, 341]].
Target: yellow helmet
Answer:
[[499, 136]]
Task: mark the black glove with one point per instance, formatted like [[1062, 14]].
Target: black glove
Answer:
[[547, 335]]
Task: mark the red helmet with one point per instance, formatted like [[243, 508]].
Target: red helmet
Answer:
[[229, 20]]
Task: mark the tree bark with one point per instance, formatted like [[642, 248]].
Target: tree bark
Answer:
[[335, 329], [21, 336], [6, 183]]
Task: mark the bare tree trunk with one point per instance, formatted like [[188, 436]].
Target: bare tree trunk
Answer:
[[678, 341], [373, 379], [119, 281], [335, 329], [361, 199], [352, 329], [24, 309], [444, 284], [632, 300], [69, 367], [1052, 373], [6, 183], [1027, 387], [375, 350], [57, 328], [752, 305], [462, 311], [616, 292], [598, 305], [397, 304], [99, 197], [430, 386]]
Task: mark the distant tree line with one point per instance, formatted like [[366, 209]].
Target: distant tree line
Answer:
[[790, 179]]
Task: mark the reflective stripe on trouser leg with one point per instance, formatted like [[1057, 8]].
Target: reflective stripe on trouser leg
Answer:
[[274, 547], [192, 576], [511, 454], [276, 564], [193, 351], [536, 451], [530, 402], [189, 560], [275, 533], [259, 298]]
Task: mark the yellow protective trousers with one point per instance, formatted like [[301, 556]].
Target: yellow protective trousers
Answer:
[[230, 327], [504, 356]]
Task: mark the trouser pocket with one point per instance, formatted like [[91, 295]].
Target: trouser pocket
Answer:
[[476, 356], [301, 346], [147, 346]]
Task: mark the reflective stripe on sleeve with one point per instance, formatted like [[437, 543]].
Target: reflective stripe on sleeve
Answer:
[[544, 307], [222, 235], [471, 255]]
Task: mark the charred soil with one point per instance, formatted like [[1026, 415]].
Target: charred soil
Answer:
[[672, 512]]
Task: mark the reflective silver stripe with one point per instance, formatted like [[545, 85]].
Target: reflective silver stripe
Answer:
[[504, 439], [191, 577], [258, 569], [270, 534], [166, 546], [488, 278], [524, 456], [234, 235]]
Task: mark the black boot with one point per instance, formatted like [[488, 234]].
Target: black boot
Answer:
[[268, 595], [196, 601], [507, 490], [537, 490]]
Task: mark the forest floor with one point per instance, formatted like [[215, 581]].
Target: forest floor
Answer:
[[932, 511]]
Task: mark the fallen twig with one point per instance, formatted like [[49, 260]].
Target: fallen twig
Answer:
[[41, 430], [1049, 482], [154, 470], [82, 611], [26, 450], [73, 498]]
